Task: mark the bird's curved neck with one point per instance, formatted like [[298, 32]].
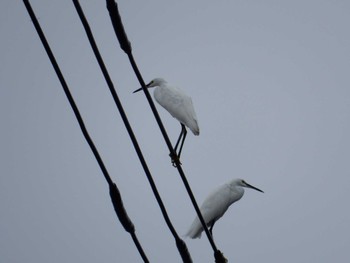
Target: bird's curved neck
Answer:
[[237, 189]]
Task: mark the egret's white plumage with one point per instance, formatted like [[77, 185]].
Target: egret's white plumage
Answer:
[[217, 203], [178, 104]]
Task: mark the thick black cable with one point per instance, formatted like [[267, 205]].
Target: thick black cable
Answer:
[[125, 45], [114, 192], [181, 245]]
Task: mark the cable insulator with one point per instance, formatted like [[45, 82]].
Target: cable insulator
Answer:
[[118, 26], [119, 208], [219, 257], [185, 255]]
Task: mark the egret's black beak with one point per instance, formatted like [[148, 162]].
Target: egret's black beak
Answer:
[[147, 86], [253, 187], [137, 90]]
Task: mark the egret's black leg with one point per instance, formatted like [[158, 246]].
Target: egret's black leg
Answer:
[[184, 131], [181, 134], [176, 145], [211, 228]]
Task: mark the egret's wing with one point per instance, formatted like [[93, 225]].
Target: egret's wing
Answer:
[[179, 105], [216, 204], [191, 116], [195, 230], [213, 207]]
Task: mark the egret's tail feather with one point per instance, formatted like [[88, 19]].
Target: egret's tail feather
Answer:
[[195, 230]]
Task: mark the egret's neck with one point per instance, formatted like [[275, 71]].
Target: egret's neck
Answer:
[[162, 84], [237, 189]]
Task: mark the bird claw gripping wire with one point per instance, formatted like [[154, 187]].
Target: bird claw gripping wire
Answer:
[[175, 159]]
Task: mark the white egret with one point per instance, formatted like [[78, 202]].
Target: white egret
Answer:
[[179, 105], [216, 204]]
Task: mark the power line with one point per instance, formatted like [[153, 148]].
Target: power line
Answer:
[[182, 248], [114, 192], [125, 45]]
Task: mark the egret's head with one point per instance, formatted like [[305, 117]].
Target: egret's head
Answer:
[[242, 183], [154, 83]]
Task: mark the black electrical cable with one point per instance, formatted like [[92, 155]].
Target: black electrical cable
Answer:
[[181, 245], [125, 45], [114, 192]]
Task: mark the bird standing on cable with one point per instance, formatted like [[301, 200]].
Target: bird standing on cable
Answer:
[[216, 204], [179, 105]]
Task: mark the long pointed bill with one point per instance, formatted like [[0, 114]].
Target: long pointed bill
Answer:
[[147, 86], [253, 187], [137, 90]]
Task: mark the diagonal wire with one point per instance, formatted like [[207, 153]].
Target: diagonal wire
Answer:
[[125, 45], [114, 192], [181, 245]]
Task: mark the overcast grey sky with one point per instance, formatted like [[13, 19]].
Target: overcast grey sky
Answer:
[[270, 84]]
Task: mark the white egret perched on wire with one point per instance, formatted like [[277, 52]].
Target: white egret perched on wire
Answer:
[[216, 204], [179, 105]]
